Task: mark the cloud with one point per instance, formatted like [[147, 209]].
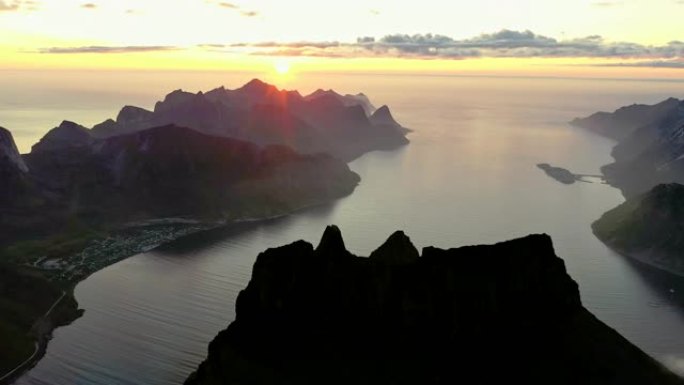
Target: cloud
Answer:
[[104, 49], [9, 5], [504, 43], [16, 5], [648, 64], [235, 7], [89, 6]]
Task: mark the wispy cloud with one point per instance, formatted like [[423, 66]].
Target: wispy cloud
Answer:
[[235, 7], [678, 63], [505, 43], [16, 5], [105, 49]]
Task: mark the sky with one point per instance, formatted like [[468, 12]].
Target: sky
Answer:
[[619, 38]]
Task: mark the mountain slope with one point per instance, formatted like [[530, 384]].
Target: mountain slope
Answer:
[[506, 313], [649, 227]]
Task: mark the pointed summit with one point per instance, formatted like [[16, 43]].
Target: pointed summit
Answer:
[[397, 250], [256, 85], [332, 244], [383, 116], [67, 134]]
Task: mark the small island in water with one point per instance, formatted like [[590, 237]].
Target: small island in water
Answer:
[[506, 313], [560, 174]]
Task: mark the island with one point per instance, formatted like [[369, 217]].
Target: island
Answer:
[[650, 145], [505, 313], [648, 228], [85, 198], [560, 174]]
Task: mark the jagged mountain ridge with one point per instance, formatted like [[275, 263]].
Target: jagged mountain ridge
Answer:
[[325, 121], [505, 313]]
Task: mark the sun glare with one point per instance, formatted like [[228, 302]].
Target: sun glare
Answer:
[[282, 67]]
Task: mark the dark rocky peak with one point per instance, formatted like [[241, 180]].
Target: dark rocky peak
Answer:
[[332, 245], [66, 135], [383, 116], [133, 115], [257, 87], [173, 100], [320, 93], [397, 250], [9, 154], [325, 102]]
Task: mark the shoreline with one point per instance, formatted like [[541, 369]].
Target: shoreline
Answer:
[[644, 258], [44, 327]]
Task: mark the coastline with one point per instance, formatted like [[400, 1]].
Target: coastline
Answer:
[[121, 249], [645, 258]]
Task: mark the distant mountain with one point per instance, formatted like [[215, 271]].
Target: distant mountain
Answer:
[[161, 172], [507, 313], [325, 121], [649, 227], [650, 148]]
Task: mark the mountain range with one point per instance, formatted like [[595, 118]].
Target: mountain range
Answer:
[[344, 126]]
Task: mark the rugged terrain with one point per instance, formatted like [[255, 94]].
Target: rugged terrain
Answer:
[[506, 313]]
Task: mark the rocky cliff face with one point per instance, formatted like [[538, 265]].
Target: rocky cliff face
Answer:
[[649, 227], [650, 149], [324, 121], [506, 313], [13, 172]]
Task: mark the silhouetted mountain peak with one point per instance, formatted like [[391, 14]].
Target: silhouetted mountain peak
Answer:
[[132, 114], [397, 250], [67, 134], [332, 244], [256, 85], [383, 116]]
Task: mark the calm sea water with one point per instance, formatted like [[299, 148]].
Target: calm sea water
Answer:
[[468, 177]]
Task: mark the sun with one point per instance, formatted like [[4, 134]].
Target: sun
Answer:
[[282, 67]]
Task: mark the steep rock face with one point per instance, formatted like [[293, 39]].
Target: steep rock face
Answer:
[[506, 313], [13, 171], [9, 154], [650, 149], [649, 227], [324, 121]]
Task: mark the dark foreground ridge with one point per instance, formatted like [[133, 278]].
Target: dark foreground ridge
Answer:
[[649, 228], [506, 313]]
